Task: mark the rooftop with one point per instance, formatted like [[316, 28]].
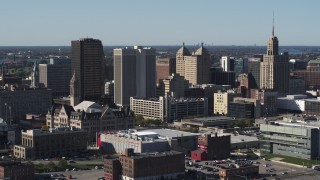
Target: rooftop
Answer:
[[211, 119], [154, 154], [170, 133], [88, 107]]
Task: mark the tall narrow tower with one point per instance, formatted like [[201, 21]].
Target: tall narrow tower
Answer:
[[35, 75], [274, 69], [74, 91], [273, 43]]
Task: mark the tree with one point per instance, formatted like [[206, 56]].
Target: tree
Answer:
[[51, 165], [63, 164], [248, 123], [45, 128]]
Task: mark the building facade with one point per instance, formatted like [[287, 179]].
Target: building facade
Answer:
[[166, 165], [221, 100], [134, 74], [91, 117], [274, 68], [173, 85], [213, 147], [165, 67], [254, 72], [194, 67], [54, 143], [87, 62], [56, 76], [16, 102], [169, 108], [300, 142], [147, 166], [16, 170]]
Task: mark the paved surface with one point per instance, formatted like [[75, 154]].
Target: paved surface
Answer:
[[79, 175]]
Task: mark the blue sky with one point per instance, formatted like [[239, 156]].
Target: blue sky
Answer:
[[159, 22]]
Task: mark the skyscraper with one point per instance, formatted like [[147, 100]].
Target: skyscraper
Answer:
[[88, 64], [134, 74], [274, 68], [254, 72], [195, 67]]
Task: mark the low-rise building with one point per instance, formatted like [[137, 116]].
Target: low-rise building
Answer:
[[312, 106], [91, 117], [16, 170], [211, 121], [117, 143], [296, 139], [150, 140], [295, 103], [56, 142], [239, 172], [212, 147], [147, 166]]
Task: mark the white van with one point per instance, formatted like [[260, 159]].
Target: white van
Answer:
[[316, 167]]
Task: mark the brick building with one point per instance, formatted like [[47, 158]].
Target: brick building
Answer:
[[54, 143], [165, 165], [16, 170], [214, 147]]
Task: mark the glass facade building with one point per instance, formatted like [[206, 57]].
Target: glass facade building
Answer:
[[300, 142]]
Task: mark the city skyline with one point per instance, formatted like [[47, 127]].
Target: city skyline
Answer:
[[38, 23]]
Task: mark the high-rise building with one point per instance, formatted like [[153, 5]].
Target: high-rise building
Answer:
[[181, 56], [165, 67], [195, 67], [274, 68], [56, 76], [254, 72], [134, 74], [227, 63], [88, 64]]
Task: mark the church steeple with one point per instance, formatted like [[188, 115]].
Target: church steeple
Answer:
[[273, 43]]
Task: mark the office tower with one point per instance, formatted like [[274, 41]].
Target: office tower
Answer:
[[195, 67], [56, 76], [226, 63], [88, 65], [181, 56], [254, 72], [134, 74], [165, 67], [35, 75], [219, 77], [274, 69]]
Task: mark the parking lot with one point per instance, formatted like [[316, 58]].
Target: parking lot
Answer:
[[93, 174], [266, 168]]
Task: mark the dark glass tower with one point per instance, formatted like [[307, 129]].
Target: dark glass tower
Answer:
[[87, 62]]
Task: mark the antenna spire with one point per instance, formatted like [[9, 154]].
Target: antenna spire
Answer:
[[273, 24]]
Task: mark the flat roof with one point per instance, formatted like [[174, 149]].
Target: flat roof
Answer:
[[144, 133], [238, 138], [208, 119], [301, 124], [170, 132]]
